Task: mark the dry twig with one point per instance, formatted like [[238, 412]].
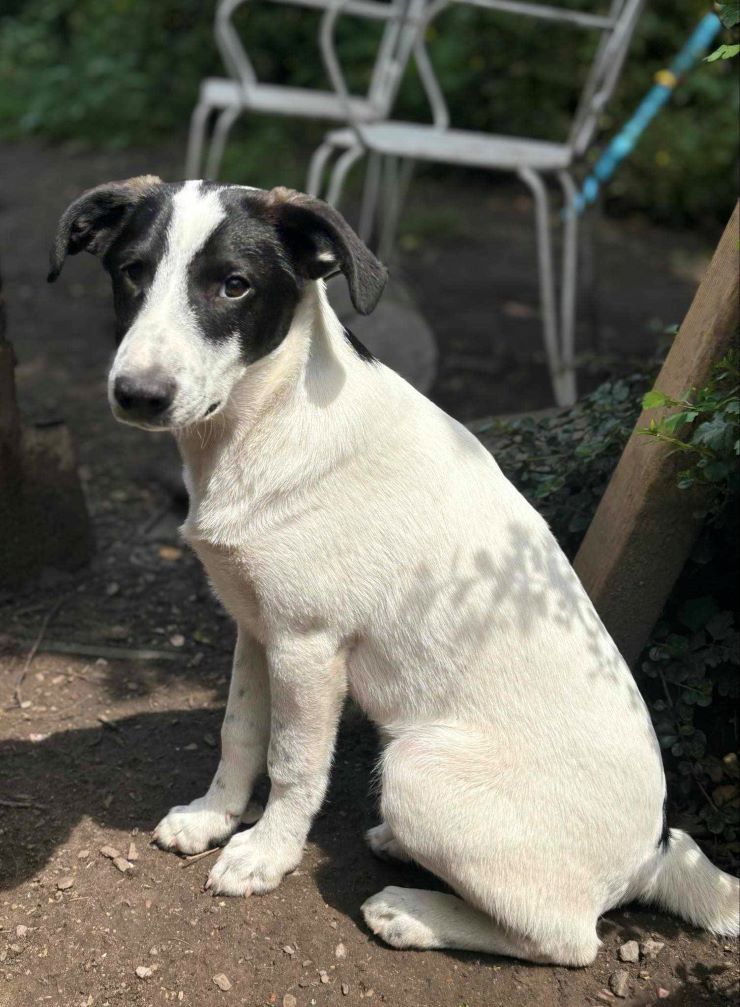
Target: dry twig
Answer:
[[35, 647], [199, 856]]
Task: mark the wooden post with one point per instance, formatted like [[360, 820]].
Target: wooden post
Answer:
[[43, 516], [645, 526]]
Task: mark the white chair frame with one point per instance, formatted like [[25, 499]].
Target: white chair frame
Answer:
[[530, 159], [243, 92]]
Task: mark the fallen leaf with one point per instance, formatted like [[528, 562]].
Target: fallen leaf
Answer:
[[170, 553]]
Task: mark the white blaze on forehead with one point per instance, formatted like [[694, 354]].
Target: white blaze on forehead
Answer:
[[196, 213]]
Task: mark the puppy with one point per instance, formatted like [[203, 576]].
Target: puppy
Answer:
[[364, 541]]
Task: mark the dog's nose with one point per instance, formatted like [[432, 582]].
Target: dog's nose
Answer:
[[144, 397]]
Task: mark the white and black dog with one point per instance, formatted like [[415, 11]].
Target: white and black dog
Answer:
[[364, 541]]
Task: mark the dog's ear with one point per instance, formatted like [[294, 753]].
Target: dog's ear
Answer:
[[319, 241], [93, 220]]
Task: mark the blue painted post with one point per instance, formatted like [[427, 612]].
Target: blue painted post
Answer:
[[665, 81]]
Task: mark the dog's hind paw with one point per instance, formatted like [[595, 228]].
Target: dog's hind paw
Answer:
[[384, 844], [392, 915]]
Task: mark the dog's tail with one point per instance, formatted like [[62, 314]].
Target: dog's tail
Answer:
[[686, 883]]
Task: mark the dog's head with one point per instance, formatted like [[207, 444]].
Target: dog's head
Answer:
[[206, 279]]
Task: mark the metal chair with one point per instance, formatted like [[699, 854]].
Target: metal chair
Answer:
[[530, 159], [243, 92]]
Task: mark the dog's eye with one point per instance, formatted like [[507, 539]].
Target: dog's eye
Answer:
[[133, 270], [234, 286]]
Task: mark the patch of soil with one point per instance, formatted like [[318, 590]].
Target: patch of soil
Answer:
[[94, 749]]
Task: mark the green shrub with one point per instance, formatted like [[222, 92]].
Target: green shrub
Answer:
[[694, 655], [563, 462]]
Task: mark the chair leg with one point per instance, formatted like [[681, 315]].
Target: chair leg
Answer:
[[339, 174], [547, 281], [569, 286], [370, 195], [391, 211], [316, 168], [221, 130], [196, 139]]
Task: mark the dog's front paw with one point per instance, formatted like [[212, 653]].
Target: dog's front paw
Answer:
[[194, 827], [250, 866]]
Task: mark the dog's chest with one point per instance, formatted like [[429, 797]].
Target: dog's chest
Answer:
[[231, 578]]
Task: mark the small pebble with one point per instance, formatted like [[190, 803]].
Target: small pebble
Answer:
[[323, 976], [651, 949], [133, 853], [110, 852], [288, 950], [619, 983], [629, 952], [340, 951], [663, 993], [143, 971], [83, 854], [345, 989], [223, 982], [289, 1000], [178, 640], [65, 883], [21, 930]]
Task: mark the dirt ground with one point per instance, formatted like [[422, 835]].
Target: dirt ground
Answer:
[[94, 749]]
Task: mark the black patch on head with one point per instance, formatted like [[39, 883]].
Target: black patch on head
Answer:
[[360, 349], [245, 244], [143, 239], [665, 835]]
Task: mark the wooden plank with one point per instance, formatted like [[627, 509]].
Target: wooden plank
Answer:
[[645, 526]]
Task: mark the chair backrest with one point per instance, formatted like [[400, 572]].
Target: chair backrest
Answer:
[[390, 61], [616, 25]]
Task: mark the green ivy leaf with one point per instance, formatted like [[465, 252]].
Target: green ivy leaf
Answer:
[[729, 13], [672, 424], [654, 399], [723, 52]]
